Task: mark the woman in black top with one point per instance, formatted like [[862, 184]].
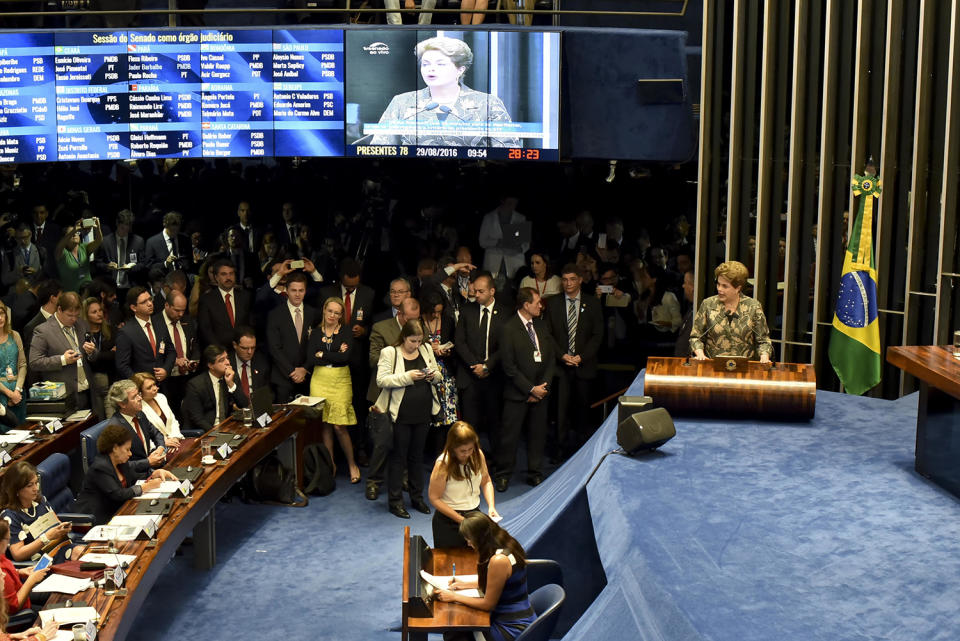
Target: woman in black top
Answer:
[[330, 347], [112, 479], [439, 327], [104, 336], [407, 375]]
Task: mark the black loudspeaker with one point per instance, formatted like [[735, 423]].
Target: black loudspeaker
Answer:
[[641, 428]]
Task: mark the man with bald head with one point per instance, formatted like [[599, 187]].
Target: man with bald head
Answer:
[[384, 333], [61, 352], [182, 331]]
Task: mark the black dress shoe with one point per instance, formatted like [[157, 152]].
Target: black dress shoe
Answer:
[[399, 510], [502, 484], [420, 506], [534, 480], [373, 491], [362, 459]]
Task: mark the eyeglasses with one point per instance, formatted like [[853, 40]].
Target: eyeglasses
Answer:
[[399, 291]]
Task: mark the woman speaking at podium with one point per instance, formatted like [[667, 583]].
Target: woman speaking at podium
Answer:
[[730, 324], [446, 112], [501, 577]]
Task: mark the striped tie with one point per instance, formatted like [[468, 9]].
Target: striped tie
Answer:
[[571, 326]]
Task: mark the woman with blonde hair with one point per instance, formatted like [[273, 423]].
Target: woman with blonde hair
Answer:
[[730, 324], [330, 345], [459, 476], [13, 372]]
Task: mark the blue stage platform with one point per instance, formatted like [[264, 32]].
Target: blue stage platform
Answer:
[[736, 531]]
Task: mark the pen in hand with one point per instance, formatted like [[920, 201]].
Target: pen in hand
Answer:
[[453, 578]]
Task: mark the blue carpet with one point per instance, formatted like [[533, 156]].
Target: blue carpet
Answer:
[[732, 531]]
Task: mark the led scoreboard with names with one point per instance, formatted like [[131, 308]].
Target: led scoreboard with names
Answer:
[[239, 93]]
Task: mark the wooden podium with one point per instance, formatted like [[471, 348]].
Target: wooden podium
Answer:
[[937, 454], [447, 617], [682, 386]]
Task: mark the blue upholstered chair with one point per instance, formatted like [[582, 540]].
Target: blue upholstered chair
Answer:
[[54, 474], [546, 602], [88, 444], [541, 572]]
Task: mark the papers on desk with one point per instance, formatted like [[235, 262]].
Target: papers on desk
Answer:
[[63, 635], [307, 401], [79, 415], [110, 560], [125, 527], [68, 616], [443, 582], [15, 436], [166, 490], [63, 584]]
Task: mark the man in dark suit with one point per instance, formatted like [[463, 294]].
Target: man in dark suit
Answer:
[[224, 307], [46, 235], [252, 235], [477, 344], [400, 290], [384, 333], [288, 333], [169, 249], [48, 293], [119, 249], [357, 303], [244, 261], [252, 366], [210, 396], [182, 331], [529, 361], [58, 352], [289, 228], [576, 322], [143, 344], [147, 442]]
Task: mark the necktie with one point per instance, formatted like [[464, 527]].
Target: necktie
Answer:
[[153, 341], [177, 343], [484, 324], [221, 397], [532, 334], [26, 256], [244, 381], [81, 374], [347, 307], [229, 310], [571, 326], [136, 426], [298, 324]]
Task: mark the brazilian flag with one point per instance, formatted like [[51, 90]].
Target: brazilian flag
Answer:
[[855, 338]]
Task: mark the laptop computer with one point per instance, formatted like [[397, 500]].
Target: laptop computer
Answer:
[[516, 235], [261, 401]]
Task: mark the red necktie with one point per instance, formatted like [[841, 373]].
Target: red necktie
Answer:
[[244, 381], [136, 426], [229, 310], [153, 341], [347, 309], [176, 340]]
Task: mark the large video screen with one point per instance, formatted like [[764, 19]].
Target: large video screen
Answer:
[[456, 94], [247, 93]]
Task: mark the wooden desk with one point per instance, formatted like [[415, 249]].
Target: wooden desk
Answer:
[[196, 513], [64, 441], [682, 386], [937, 450], [447, 617]]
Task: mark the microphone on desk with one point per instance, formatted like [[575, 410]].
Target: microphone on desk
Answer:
[[430, 106], [717, 320]]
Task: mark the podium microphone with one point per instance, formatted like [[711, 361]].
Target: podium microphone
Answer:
[[450, 112], [430, 106]]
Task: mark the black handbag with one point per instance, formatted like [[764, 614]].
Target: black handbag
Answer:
[[379, 424]]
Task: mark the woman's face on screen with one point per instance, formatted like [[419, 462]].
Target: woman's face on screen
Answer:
[[438, 69]]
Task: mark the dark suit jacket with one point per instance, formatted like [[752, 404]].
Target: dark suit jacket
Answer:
[[48, 345], [199, 403], [107, 253], [383, 315], [134, 353], [522, 372], [52, 233], [286, 351], [260, 370], [589, 331], [212, 316], [101, 493], [23, 307], [156, 251], [468, 343], [247, 266], [154, 436], [191, 349]]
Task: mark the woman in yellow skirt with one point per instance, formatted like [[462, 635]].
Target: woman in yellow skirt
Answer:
[[330, 345]]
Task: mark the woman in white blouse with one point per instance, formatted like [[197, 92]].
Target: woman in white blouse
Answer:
[[543, 280], [459, 475], [157, 409]]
